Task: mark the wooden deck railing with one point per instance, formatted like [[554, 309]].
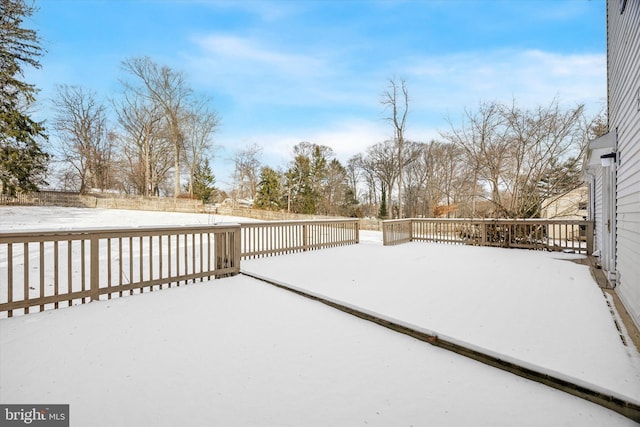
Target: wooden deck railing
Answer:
[[51, 268], [261, 239], [48, 269], [542, 234]]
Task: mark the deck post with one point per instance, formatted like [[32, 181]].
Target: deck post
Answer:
[[237, 249]]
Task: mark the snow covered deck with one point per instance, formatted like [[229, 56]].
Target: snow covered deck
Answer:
[[236, 351], [536, 307]]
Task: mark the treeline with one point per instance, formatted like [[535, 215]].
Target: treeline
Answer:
[[500, 161]]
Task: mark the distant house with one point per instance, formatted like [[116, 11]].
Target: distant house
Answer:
[[612, 163], [571, 205]]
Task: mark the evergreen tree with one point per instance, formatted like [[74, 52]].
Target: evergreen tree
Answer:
[[22, 161], [349, 206], [269, 193], [383, 204], [307, 177], [301, 193], [203, 181]]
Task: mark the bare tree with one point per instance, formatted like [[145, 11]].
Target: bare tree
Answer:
[[354, 172], [246, 173], [482, 140], [396, 99], [367, 174], [420, 193], [199, 124], [80, 122], [381, 162], [450, 179], [547, 145], [147, 153], [522, 156], [167, 89], [410, 153]]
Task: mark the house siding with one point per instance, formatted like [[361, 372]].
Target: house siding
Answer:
[[623, 75]]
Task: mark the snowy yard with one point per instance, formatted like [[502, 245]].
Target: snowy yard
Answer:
[[237, 351]]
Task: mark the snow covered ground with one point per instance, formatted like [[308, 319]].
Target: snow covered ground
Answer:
[[237, 351]]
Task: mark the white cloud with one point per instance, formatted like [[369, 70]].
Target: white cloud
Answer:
[[531, 77], [240, 51], [350, 137], [252, 71]]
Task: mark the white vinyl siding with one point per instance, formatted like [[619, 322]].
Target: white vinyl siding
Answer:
[[623, 74]]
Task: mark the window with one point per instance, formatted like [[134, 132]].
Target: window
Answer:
[[623, 4]]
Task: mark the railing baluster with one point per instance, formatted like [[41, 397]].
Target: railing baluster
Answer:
[[56, 289], [25, 283], [186, 256], [151, 260], [94, 269], [10, 276], [160, 267], [200, 243], [208, 245], [120, 272], [169, 259], [41, 259], [108, 260], [131, 280], [140, 262], [56, 272], [193, 254]]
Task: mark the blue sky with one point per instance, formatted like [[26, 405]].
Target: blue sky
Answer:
[[286, 71]]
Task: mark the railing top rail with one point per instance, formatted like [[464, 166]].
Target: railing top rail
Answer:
[[297, 222], [390, 221], [115, 231], [493, 220]]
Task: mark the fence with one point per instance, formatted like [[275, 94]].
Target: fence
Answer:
[[165, 204], [49, 269], [541, 234], [48, 198], [104, 201], [278, 237]]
